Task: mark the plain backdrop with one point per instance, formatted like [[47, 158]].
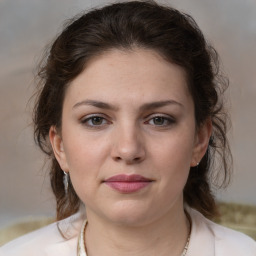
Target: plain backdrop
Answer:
[[26, 26]]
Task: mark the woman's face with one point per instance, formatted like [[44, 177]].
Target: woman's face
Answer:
[[129, 136]]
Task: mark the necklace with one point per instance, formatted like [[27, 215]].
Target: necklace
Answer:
[[81, 247]]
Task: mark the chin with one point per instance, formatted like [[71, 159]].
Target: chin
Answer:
[[129, 214]]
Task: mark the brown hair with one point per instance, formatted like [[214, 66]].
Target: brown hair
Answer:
[[126, 25]]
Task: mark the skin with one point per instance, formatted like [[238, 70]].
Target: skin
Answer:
[[131, 135]]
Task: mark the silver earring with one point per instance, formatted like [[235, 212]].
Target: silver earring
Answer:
[[65, 181]]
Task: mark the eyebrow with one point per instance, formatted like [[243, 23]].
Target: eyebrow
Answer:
[[146, 106], [159, 104], [94, 103]]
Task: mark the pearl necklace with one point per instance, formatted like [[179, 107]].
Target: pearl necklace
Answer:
[[81, 242], [81, 249]]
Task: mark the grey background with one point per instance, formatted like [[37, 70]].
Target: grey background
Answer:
[[26, 26]]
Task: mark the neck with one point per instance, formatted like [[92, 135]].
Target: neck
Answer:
[[163, 237]]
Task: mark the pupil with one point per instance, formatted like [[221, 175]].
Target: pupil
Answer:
[[158, 120], [97, 120]]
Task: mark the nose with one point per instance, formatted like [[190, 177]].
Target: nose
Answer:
[[128, 146]]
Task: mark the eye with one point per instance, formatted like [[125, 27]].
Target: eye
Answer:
[[161, 121], [94, 121]]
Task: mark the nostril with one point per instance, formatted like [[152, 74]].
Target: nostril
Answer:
[[118, 158], [133, 160]]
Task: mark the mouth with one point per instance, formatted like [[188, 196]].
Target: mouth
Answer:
[[128, 183]]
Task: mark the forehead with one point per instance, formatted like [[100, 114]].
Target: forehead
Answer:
[[132, 74]]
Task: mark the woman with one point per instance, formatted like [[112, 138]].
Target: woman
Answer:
[[129, 111]]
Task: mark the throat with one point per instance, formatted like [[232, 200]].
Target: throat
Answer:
[[134, 244]]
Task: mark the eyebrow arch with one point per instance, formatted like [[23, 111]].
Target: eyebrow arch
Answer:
[[146, 106], [159, 104], [94, 103]]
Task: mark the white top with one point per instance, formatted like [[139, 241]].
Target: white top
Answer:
[[207, 239]]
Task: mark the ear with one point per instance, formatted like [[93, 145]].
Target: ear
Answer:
[[202, 137], [58, 149]]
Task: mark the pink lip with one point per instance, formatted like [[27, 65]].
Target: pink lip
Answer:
[[127, 183]]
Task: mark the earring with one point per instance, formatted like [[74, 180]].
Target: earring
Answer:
[[196, 166], [65, 181]]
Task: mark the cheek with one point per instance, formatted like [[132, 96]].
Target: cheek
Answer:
[[83, 150], [85, 156], [173, 159], [83, 170], [175, 151]]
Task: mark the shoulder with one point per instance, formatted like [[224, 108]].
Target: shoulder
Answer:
[[31, 242], [47, 240], [226, 241]]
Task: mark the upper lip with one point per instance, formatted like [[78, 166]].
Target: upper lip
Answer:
[[128, 178]]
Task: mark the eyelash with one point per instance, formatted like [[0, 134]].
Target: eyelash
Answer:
[[167, 120], [88, 121]]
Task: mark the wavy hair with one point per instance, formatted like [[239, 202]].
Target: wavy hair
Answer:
[[129, 25]]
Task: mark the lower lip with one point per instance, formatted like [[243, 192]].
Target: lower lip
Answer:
[[127, 187]]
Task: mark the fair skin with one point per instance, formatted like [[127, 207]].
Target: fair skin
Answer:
[[130, 112]]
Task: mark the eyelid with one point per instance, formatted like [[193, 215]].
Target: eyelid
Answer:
[[168, 116], [91, 115]]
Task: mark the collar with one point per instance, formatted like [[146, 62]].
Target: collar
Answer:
[[68, 233], [202, 240]]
